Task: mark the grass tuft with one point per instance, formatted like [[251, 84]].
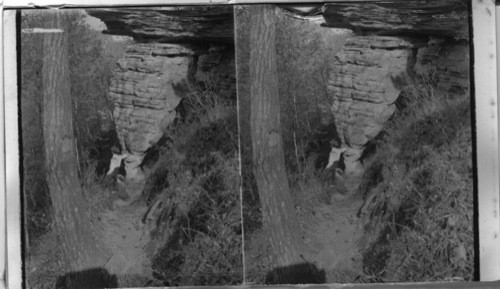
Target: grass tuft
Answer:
[[196, 238], [418, 189]]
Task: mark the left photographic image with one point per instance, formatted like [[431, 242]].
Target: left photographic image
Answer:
[[129, 147]]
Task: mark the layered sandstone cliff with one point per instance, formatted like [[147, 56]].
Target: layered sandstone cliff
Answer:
[[175, 49], [175, 24], [395, 17], [395, 40], [364, 84]]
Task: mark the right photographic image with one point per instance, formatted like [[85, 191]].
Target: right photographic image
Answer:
[[356, 142]]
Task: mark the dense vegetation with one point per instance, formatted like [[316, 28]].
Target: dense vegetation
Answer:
[[196, 178], [419, 211]]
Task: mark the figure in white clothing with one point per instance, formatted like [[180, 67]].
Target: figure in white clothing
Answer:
[[335, 154], [115, 162]]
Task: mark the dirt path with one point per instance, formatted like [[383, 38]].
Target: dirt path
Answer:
[[126, 237], [333, 231]]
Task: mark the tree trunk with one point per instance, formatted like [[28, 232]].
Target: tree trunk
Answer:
[[80, 249], [278, 211]]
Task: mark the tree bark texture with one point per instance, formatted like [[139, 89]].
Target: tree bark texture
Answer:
[[80, 249], [278, 211]]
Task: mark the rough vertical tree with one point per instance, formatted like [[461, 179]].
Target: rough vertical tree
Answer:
[[278, 212], [80, 249]]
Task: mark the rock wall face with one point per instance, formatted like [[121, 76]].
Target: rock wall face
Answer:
[[400, 39], [174, 24], [149, 82], [367, 78], [448, 60], [365, 82], [395, 17], [175, 48]]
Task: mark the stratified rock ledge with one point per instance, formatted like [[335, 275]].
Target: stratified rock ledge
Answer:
[[175, 24], [396, 17]]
